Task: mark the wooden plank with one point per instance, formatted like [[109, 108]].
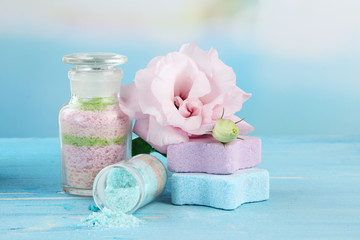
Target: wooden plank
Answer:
[[315, 194]]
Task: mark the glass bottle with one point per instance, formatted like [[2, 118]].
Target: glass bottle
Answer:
[[94, 132], [130, 184]]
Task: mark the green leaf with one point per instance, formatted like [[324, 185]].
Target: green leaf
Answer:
[[140, 146]]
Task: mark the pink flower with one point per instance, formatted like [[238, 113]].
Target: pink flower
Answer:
[[181, 95]]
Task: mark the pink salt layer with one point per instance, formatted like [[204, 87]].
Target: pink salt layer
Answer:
[[210, 156], [92, 157], [109, 118], [109, 133], [81, 178]]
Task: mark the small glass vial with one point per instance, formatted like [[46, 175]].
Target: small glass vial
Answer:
[[130, 184], [94, 132]]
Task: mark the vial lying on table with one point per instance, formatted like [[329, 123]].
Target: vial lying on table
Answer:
[[130, 184]]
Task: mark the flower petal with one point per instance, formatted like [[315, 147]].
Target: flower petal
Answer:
[[141, 129], [201, 85], [235, 99], [178, 75], [244, 127], [147, 101], [213, 53], [158, 135], [129, 102], [199, 56], [221, 77], [188, 117], [208, 110], [204, 129]]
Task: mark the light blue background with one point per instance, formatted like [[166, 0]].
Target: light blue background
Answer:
[[296, 89]]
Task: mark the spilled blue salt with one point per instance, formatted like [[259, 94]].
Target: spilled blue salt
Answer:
[[122, 193], [112, 219]]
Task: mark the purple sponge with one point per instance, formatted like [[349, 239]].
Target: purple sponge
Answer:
[[210, 156]]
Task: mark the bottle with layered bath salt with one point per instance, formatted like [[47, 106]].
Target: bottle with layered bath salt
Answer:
[[94, 132]]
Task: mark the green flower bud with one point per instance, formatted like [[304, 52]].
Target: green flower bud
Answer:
[[225, 130]]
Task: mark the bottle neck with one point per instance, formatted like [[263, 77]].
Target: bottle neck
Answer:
[[90, 82]]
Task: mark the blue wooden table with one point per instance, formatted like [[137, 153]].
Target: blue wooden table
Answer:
[[314, 194]]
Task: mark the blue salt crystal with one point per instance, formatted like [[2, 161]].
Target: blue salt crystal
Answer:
[[93, 208]]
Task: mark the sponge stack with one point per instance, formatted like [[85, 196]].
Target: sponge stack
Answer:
[[200, 167]]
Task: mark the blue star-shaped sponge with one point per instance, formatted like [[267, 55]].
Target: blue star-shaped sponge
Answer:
[[220, 191]]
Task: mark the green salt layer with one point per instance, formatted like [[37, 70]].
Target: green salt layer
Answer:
[[86, 141], [122, 190], [111, 219], [94, 104]]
